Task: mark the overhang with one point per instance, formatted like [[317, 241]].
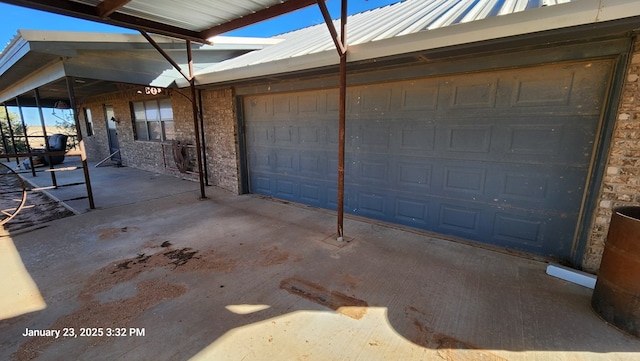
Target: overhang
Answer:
[[100, 62], [371, 38], [196, 20]]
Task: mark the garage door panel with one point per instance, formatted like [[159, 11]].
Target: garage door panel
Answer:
[[420, 95], [260, 134], [412, 175], [531, 90], [519, 230], [372, 137], [411, 137], [473, 92], [413, 212], [371, 204], [468, 138], [314, 164], [459, 219], [499, 157], [261, 159]]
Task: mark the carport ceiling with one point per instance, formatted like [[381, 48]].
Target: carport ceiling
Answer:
[[195, 20], [51, 93]]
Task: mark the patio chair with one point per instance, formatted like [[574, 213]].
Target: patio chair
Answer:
[[57, 143]]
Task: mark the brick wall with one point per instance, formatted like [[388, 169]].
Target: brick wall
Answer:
[[96, 146], [139, 154], [621, 185], [220, 126]]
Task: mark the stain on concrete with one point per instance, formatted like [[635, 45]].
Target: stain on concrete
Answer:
[[337, 301], [448, 348], [93, 314], [122, 312], [105, 234], [273, 256]]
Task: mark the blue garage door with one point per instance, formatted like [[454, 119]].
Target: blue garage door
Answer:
[[499, 157]]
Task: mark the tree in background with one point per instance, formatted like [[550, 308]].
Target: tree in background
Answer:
[[67, 126], [6, 144]]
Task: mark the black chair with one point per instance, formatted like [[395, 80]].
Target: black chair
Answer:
[[57, 143]]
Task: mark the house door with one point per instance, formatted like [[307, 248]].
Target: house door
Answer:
[[112, 134]]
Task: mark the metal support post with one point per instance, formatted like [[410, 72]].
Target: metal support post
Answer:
[[26, 136], [54, 182], [194, 105], [83, 153], [11, 135]]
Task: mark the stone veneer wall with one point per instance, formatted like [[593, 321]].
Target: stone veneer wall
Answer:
[[621, 184]]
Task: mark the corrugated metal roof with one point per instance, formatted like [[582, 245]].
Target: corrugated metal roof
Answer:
[[194, 15], [37, 58], [402, 18]]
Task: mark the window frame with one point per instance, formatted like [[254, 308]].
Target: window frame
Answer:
[[88, 122], [155, 130]]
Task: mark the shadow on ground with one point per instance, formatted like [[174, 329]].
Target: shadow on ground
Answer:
[[244, 278]]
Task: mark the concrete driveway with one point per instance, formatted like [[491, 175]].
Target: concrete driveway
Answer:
[[165, 276]]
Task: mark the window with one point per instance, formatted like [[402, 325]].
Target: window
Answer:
[[88, 121], [153, 120]]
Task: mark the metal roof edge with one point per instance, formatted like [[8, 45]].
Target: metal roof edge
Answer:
[[40, 77], [312, 61], [13, 53], [72, 37], [559, 16]]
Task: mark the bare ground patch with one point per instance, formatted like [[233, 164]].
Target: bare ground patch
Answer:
[[38, 208]]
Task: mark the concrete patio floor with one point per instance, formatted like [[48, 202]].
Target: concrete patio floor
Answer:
[[171, 277]]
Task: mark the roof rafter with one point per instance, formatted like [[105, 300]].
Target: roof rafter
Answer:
[[258, 16], [108, 7], [88, 12], [108, 12]]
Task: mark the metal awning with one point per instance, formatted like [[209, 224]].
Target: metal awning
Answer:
[[194, 20], [198, 21]]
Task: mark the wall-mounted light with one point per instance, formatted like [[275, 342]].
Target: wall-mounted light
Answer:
[[117, 121]]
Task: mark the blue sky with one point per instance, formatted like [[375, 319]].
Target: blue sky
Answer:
[[15, 17]]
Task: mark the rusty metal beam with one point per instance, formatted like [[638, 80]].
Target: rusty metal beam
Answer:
[[194, 107], [83, 153], [36, 93], [165, 55], [338, 40], [268, 13], [342, 115], [108, 7], [88, 12]]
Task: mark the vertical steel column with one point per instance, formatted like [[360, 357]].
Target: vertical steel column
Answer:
[[26, 136], [342, 118], [341, 46], [83, 154], [4, 142], [194, 104], [203, 142], [13, 138], [54, 182]]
